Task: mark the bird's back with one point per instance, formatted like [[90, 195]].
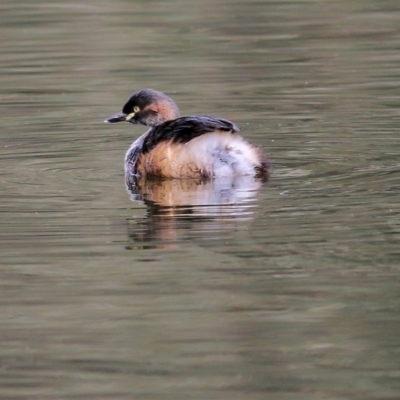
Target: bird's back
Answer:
[[197, 147]]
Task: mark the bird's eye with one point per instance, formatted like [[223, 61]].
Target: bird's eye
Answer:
[[136, 109]]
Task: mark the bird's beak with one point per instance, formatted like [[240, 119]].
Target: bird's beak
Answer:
[[119, 117]]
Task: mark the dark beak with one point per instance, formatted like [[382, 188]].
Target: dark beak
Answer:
[[119, 117]]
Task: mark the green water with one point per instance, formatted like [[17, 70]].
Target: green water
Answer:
[[222, 290]]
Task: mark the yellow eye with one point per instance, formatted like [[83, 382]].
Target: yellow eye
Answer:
[[136, 109]]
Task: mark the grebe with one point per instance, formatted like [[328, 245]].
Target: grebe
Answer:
[[185, 147]]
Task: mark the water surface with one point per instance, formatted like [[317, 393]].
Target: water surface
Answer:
[[193, 290]]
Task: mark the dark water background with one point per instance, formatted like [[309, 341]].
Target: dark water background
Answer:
[[226, 290]]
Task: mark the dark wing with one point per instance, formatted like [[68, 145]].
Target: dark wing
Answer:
[[184, 129]]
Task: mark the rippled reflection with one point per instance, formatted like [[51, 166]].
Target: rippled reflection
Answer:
[[193, 192], [191, 205]]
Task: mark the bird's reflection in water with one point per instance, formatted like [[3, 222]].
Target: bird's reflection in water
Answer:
[[180, 209]]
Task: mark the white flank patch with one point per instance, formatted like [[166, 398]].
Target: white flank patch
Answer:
[[222, 154]]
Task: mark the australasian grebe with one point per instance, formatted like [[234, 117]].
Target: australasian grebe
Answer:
[[185, 147]]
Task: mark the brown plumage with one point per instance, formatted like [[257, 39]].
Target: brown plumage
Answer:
[[185, 147]]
